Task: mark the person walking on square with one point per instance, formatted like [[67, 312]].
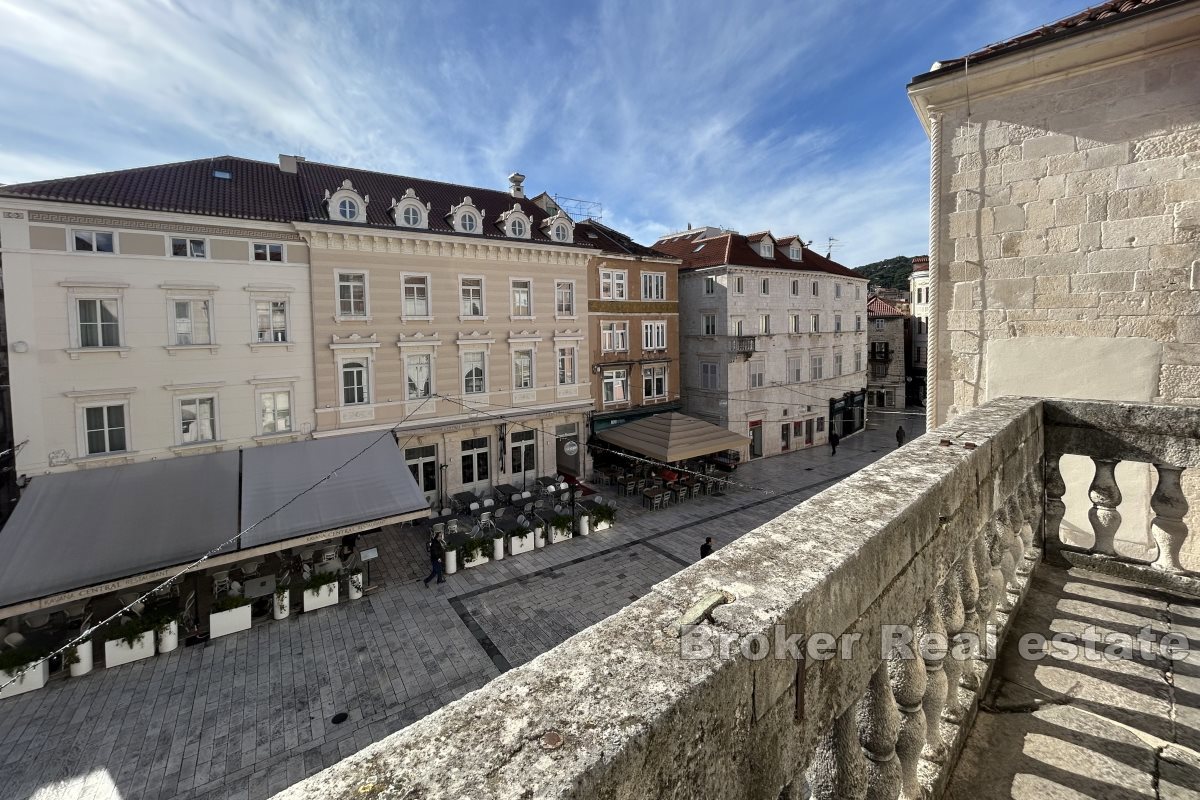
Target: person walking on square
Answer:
[[900, 436], [833, 442], [706, 548], [437, 558]]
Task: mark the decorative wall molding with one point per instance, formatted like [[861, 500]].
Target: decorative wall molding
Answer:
[[165, 227], [477, 248]]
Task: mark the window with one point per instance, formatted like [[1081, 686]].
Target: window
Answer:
[[522, 299], [768, 250], [192, 319], [473, 373], [268, 252], [837, 364], [104, 429], [472, 296], [616, 386], [416, 296], [423, 464], [418, 371], [709, 378], [879, 325], [917, 356], [348, 209], [766, 286], [523, 369], [794, 254], [566, 365], [354, 383], [764, 323], [654, 383], [187, 248], [524, 452], [197, 420], [468, 223], [858, 360], [654, 286], [93, 241], [737, 284], [815, 368], [795, 367], [837, 291], [735, 325], [795, 288], [758, 374], [793, 323], [814, 323], [564, 298], [709, 324], [352, 294], [857, 292], [654, 336], [560, 233], [475, 460], [99, 325], [820, 424], [411, 216], [858, 322], [276, 410], [816, 289], [612, 284], [516, 228], [710, 285], [614, 337], [837, 323], [879, 370]]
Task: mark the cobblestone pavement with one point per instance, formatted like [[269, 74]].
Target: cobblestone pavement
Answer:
[[250, 714]]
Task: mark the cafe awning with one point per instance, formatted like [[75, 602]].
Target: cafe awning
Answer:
[[673, 437]]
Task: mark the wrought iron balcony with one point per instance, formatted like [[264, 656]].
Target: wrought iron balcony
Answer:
[[882, 354]]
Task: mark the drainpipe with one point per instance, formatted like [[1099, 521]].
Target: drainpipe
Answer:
[[935, 216]]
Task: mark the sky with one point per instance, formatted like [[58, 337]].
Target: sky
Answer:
[[789, 116]]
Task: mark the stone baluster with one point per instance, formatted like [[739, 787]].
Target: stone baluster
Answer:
[[930, 637], [1013, 523], [1168, 528], [967, 641], [1028, 502], [949, 599], [1105, 496], [906, 669], [1002, 567], [878, 727], [838, 769], [983, 576], [1055, 509]]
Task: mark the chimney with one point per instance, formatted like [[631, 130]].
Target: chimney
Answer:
[[514, 184], [288, 163]]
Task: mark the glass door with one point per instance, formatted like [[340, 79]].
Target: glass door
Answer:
[[476, 460], [422, 463], [523, 459], [756, 439]]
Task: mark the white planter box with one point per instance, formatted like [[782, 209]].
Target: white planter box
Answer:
[[84, 651], [34, 678], [116, 652], [451, 564], [497, 549], [602, 526], [557, 536], [321, 597], [168, 639], [584, 525], [476, 561], [517, 545], [281, 605], [354, 586], [223, 623]]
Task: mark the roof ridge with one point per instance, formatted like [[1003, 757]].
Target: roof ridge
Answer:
[[411, 177], [142, 168]]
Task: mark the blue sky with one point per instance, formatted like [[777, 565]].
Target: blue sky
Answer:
[[790, 116]]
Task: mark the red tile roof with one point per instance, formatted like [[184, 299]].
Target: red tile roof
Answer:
[[877, 307], [613, 241], [734, 248], [920, 263]]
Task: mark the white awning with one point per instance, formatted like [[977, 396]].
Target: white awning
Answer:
[[673, 437]]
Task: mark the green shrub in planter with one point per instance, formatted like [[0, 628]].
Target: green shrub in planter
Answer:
[[11, 661], [319, 580], [131, 629], [603, 513], [563, 522], [521, 532]]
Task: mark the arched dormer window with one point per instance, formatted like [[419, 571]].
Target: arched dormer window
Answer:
[[516, 223], [466, 218], [346, 204], [409, 212], [559, 228]]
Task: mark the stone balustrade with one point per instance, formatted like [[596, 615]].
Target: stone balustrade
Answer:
[[672, 697]]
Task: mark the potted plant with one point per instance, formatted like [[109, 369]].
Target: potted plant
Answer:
[[474, 551], [78, 659], [540, 534], [21, 663], [320, 590], [130, 640], [354, 583], [451, 560], [497, 544], [281, 604], [167, 630], [603, 517], [520, 540], [229, 614], [560, 528]]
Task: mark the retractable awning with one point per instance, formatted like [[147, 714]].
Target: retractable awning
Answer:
[[673, 437]]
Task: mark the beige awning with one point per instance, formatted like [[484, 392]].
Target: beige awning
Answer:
[[673, 437]]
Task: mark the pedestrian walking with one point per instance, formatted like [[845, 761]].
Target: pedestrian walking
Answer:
[[437, 558], [900, 436], [706, 548], [833, 442]]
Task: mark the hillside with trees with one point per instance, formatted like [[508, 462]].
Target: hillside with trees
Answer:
[[891, 273]]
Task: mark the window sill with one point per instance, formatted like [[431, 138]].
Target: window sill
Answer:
[[464, 318], [518, 318], [340, 319], [76, 352], [210, 446], [570, 317], [416, 319], [256, 346], [105, 459], [172, 349], [278, 438]]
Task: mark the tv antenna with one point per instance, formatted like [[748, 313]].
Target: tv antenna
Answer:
[[833, 243]]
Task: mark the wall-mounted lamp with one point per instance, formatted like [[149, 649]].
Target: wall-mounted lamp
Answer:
[[20, 347]]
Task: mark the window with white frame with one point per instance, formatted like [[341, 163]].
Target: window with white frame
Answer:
[[197, 419], [857, 292], [474, 378], [614, 337], [738, 284], [837, 364], [476, 459], [468, 222], [794, 323], [858, 360], [612, 284], [265, 251], [765, 286], [105, 429], [764, 323], [837, 323], [416, 296], [654, 286], [709, 377], [654, 335], [814, 323], [182, 247], [879, 325], [837, 291], [418, 376], [560, 233], [794, 253], [275, 411], [735, 326], [192, 322], [816, 368], [566, 365], [654, 383], [352, 294], [347, 209], [816, 289], [522, 298], [710, 285], [99, 322], [795, 367], [768, 250], [523, 369], [795, 288], [524, 451], [709, 324], [93, 241], [411, 216], [517, 228], [758, 374], [616, 386], [564, 298], [471, 292], [355, 390]]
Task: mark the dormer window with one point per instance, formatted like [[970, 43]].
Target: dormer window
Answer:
[[517, 228], [515, 222], [411, 217], [346, 204], [768, 250], [559, 228], [348, 209], [466, 218], [408, 211], [560, 233], [468, 223], [794, 253]]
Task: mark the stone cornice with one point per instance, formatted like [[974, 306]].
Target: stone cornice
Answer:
[[410, 242]]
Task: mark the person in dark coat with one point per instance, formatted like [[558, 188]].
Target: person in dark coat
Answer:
[[437, 558], [833, 443], [706, 548], [900, 436]]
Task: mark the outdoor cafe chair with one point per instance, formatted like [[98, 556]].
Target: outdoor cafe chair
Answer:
[[489, 503], [452, 526], [474, 508], [485, 520], [439, 527], [500, 512]]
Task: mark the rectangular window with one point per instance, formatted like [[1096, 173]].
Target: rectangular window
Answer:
[[566, 365], [837, 291], [766, 286], [524, 452], [795, 288], [191, 322], [654, 383], [352, 294], [187, 248], [878, 324], [418, 371], [104, 429], [471, 290], [857, 292], [814, 323], [654, 286], [473, 373], [522, 299], [709, 324], [276, 409], [794, 323], [708, 375], [820, 424], [710, 285], [99, 325], [735, 325], [879, 370], [858, 322], [523, 369], [614, 337], [816, 289], [616, 386], [837, 364], [816, 368], [197, 420], [93, 241], [416, 296], [564, 299], [837, 323], [354, 383], [654, 336], [475, 460], [737, 284], [764, 323], [268, 252], [795, 365], [270, 320], [858, 360], [612, 284], [758, 374]]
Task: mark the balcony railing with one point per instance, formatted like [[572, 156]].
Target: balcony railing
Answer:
[[781, 664], [742, 344], [879, 354]]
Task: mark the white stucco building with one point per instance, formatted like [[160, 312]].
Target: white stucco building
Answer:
[[918, 290]]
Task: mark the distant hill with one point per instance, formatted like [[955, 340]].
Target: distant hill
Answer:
[[892, 273]]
